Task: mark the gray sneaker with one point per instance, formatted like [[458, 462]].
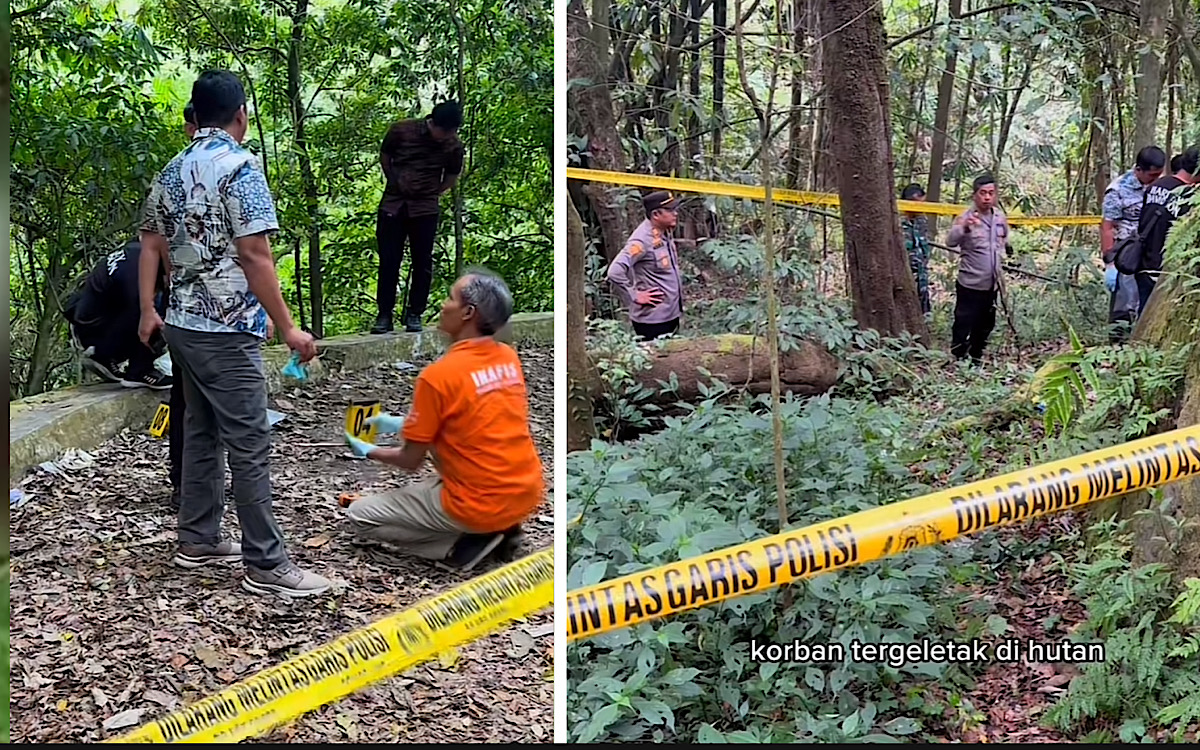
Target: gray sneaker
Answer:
[[286, 580], [199, 555]]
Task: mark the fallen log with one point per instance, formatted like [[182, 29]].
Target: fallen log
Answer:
[[740, 360]]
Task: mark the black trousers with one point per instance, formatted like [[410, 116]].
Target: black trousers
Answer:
[[974, 319], [115, 338], [175, 426], [1145, 284], [650, 331], [391, 230]]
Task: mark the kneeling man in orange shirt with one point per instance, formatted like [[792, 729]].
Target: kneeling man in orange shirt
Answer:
[[470, 413]]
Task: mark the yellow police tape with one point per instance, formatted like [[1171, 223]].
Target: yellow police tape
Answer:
[[303, 683], [797, 197], [880, 532]]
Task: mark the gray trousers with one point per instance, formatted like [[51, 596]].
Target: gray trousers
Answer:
[[410, 518], [226, 395], [1123, 307]]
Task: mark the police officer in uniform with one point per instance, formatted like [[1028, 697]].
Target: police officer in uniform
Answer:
[[646, 271]]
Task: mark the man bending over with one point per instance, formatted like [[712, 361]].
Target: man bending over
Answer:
[[470, 412]]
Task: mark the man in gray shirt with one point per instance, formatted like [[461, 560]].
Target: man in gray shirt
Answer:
[[981, 233], [646, 271]]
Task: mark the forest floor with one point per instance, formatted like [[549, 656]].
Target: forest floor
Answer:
[[108, 635], [1006, 702]]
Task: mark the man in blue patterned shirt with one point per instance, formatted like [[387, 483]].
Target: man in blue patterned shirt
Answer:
[[209, 214], [1122, 208]]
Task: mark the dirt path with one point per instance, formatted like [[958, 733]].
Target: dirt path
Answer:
[[1037, 603], [103, 626]]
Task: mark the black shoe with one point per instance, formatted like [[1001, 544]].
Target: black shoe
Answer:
[[508, 549], [153, 379], [106, 370], [383, 324], [471, 549], [412, 323]]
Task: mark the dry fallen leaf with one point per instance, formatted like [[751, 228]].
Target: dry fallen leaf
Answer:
[[159, 697], [124, 719], [319, 540], [449, 658], [522, 643], [136, 620], [209, 657]]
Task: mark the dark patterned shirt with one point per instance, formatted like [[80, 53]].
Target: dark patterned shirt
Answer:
[[209, 195], [419, 164]]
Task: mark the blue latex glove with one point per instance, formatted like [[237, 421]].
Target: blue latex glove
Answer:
[[293, 369], [360, 447], [387, 424], [1110, 278]]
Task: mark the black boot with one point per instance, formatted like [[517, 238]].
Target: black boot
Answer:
[[471, 549], [383, 324], [507, 550], [412, 323]]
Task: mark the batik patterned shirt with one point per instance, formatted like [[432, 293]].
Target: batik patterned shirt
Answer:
[[1123, 200], [212, 193]]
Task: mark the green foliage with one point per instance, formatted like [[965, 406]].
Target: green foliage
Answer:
[[1131, 387], [1151, 672], [1181, 255], [89, 133], [97, 111], [620, 356], [705, 481]]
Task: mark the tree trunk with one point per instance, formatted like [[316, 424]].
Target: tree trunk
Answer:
[[1152, 32], [593, 104], [459, 208], [796, 148], [296, 276], [1011, 114], [39, 358], [941, 121], [694, 101], [1095, 100], [1172, 66], [308, 178], [741, 360], [1170, 320], [960, 137], [720, 29], [882, 286], [581, 381], [1118, 109], [1189, 35]]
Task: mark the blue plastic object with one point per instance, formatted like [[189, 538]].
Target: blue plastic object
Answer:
[[293, 369]]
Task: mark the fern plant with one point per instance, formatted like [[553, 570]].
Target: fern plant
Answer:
[[1130, 386], [1181, 252], [1151, 671]]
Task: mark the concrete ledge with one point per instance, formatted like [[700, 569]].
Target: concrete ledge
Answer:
[[43, 427]]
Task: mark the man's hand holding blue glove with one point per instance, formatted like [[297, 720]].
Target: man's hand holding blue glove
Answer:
[[1110, 278], [387, 424], [360, 448]]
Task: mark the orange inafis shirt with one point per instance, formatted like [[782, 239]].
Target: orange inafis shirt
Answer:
[[472, 406]]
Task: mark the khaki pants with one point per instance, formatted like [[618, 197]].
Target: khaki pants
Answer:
[[410, 518]]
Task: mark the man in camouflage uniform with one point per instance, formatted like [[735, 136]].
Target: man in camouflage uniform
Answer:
[[1122, 208], [915, 242], [646, 271]]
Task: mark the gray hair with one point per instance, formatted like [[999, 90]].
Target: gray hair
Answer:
[[490, 296]]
